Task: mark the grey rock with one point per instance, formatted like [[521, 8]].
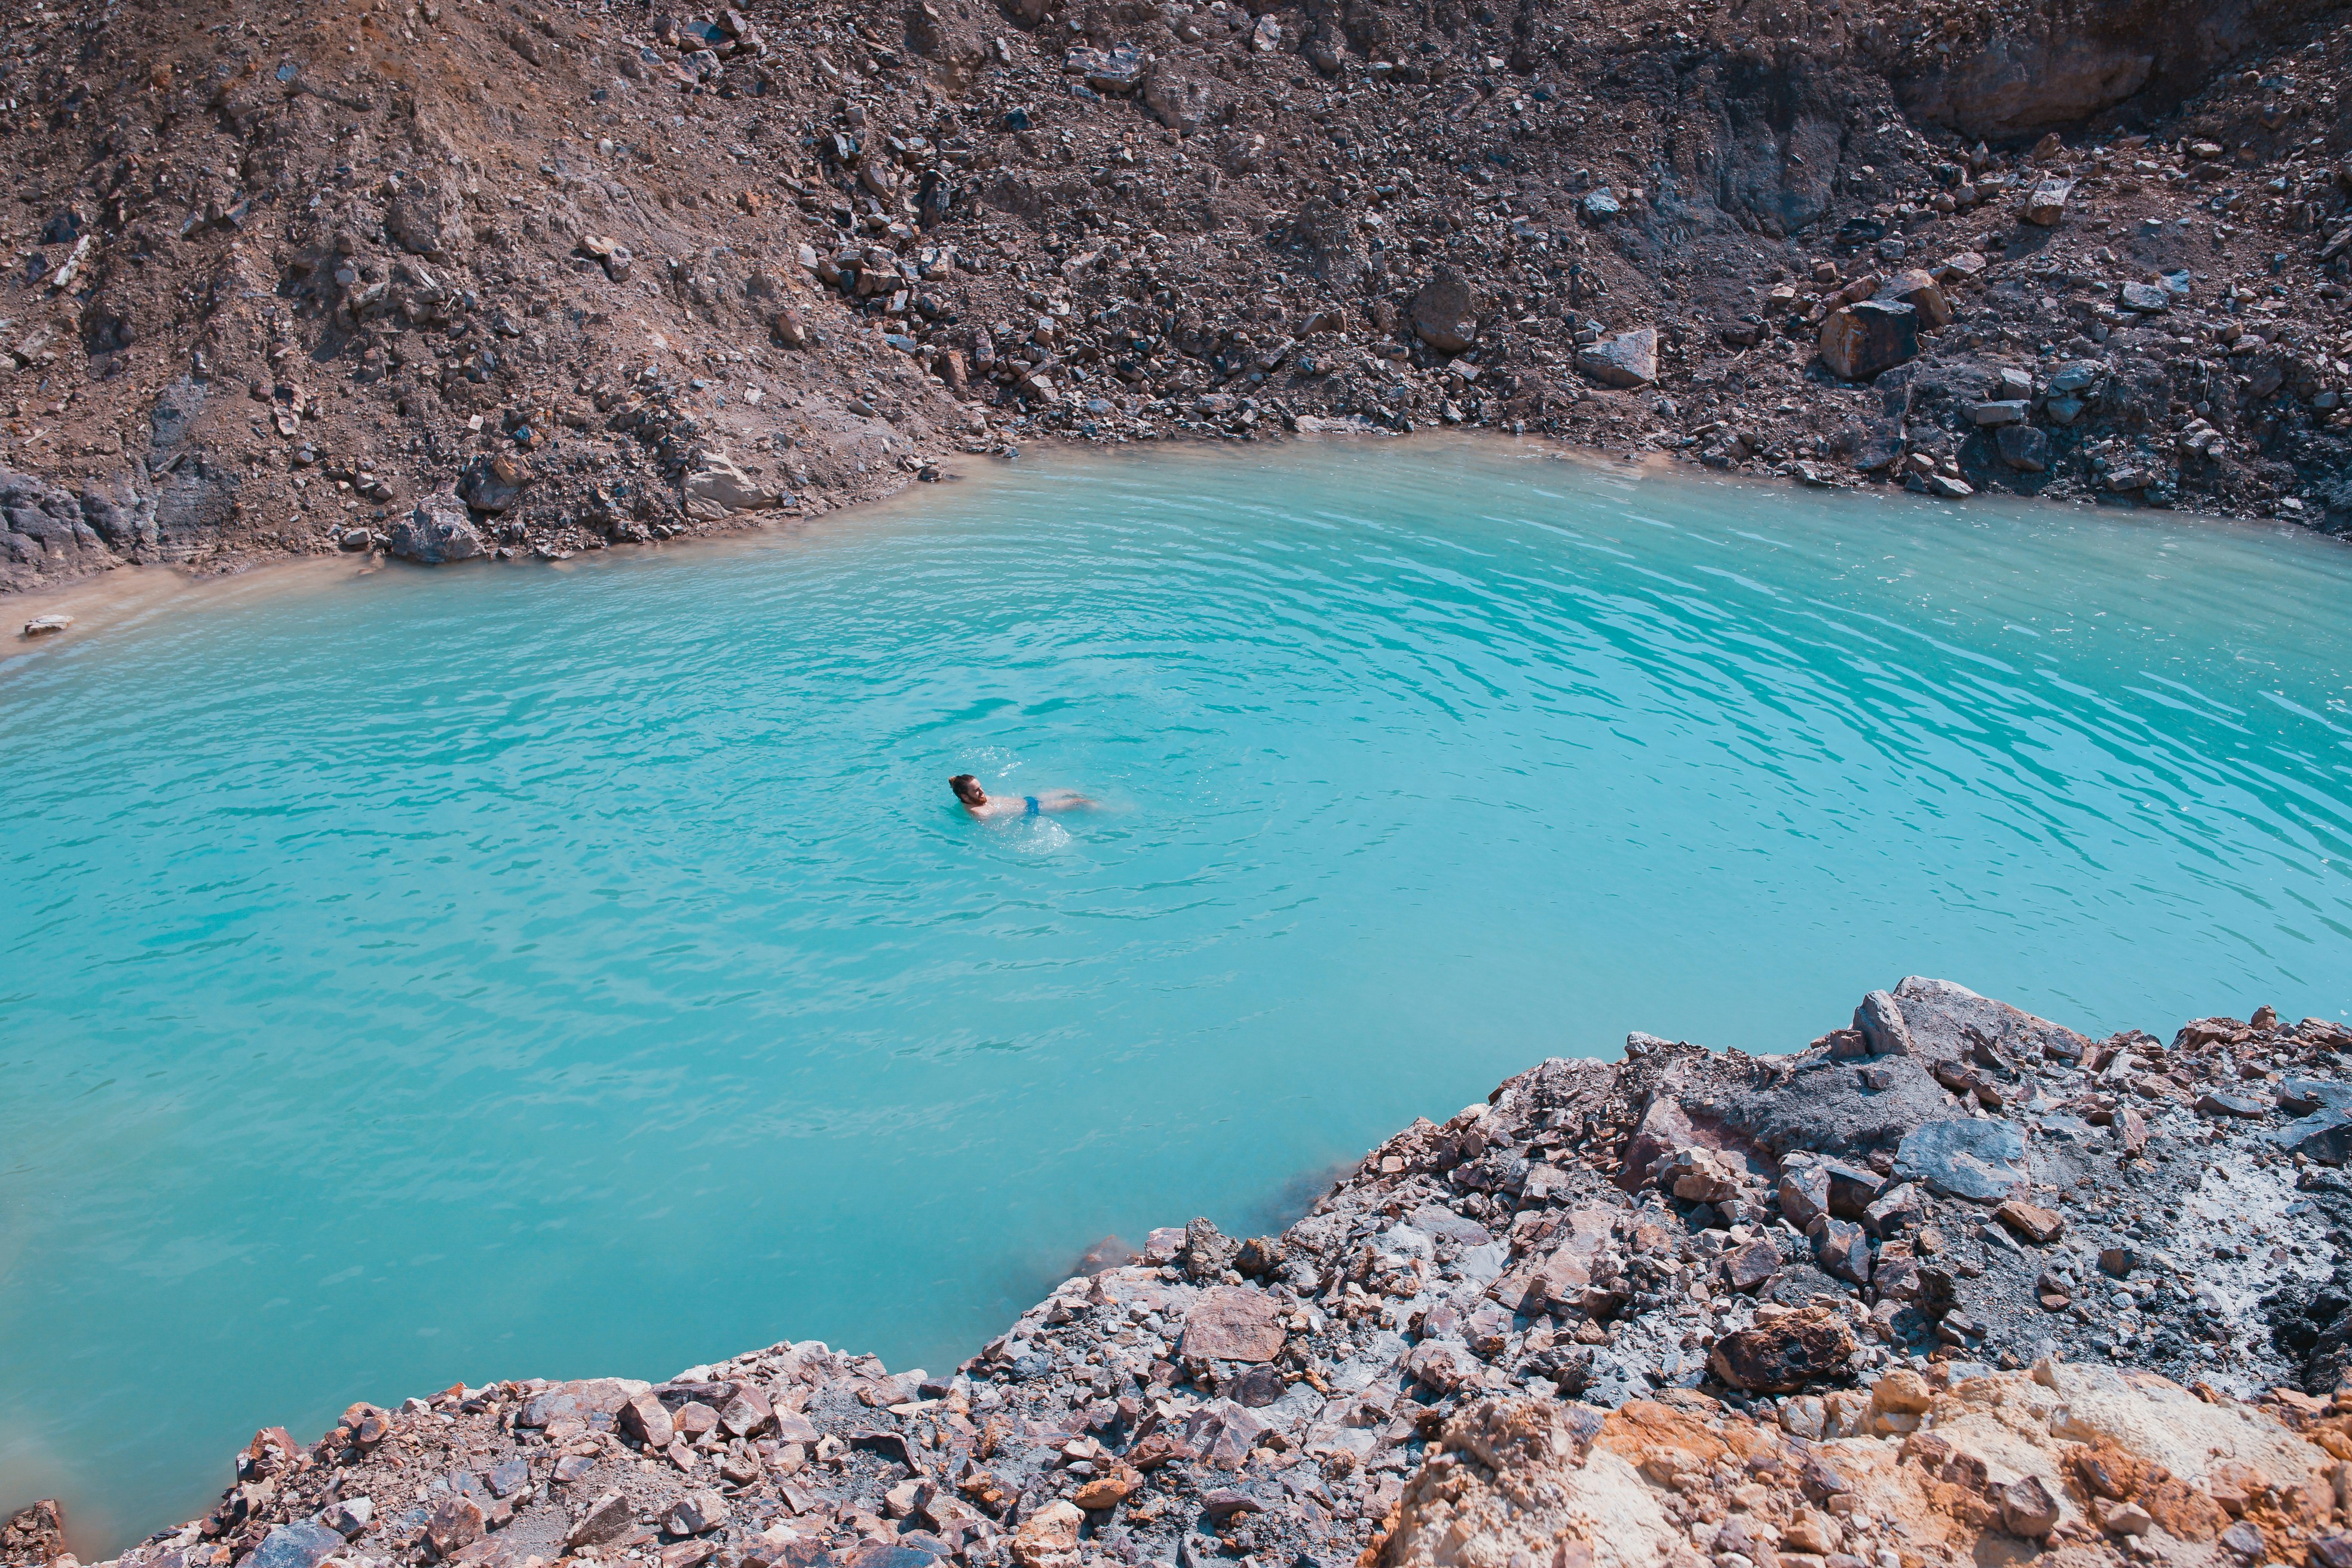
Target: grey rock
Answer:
[[2325, 1136], [46, 534], [2149, 298], [1946, 1021], [1826, 1113], [1222, 1434], [437, 530], [2303, 1096], [1626, 360], [1120, 70], [2024, 448], [2074, 377], [1204, 1253], [295, 1546], [1965, 1157], [1880, 1022]]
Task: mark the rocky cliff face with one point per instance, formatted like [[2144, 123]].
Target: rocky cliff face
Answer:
[[604, 274], [1951, 1284]]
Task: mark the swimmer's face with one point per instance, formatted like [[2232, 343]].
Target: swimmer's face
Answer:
[[967, 789]]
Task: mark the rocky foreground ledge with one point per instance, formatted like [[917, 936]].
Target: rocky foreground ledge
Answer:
[[1952, 1284]]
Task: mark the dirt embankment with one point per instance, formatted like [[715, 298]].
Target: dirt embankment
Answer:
[[457, 279]]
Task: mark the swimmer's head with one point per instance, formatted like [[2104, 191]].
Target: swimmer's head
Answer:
[[968, 790]]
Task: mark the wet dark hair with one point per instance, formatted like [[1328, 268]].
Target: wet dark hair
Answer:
[[967, 789]]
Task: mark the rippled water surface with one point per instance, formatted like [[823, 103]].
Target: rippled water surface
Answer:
[[420, 976]]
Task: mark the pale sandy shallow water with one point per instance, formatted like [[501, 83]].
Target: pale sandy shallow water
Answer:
[[414, 976]]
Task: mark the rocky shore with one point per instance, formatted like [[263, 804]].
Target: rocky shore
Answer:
[[463, 280], [1952, 1284]]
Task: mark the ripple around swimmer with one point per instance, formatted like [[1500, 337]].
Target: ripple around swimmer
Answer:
[[413, 976]]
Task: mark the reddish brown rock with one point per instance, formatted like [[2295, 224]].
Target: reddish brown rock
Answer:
[[1786, 1355], [1231, 1322], [1860, 341], [2035, 1224]]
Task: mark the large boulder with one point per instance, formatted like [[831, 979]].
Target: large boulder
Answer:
[[1860, 340], [1627, 360], [439, 530], [1444, 313]]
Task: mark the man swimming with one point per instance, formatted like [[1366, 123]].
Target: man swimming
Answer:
[[978, 801]]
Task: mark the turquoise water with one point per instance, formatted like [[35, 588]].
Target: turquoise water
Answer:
[[420, 976]]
